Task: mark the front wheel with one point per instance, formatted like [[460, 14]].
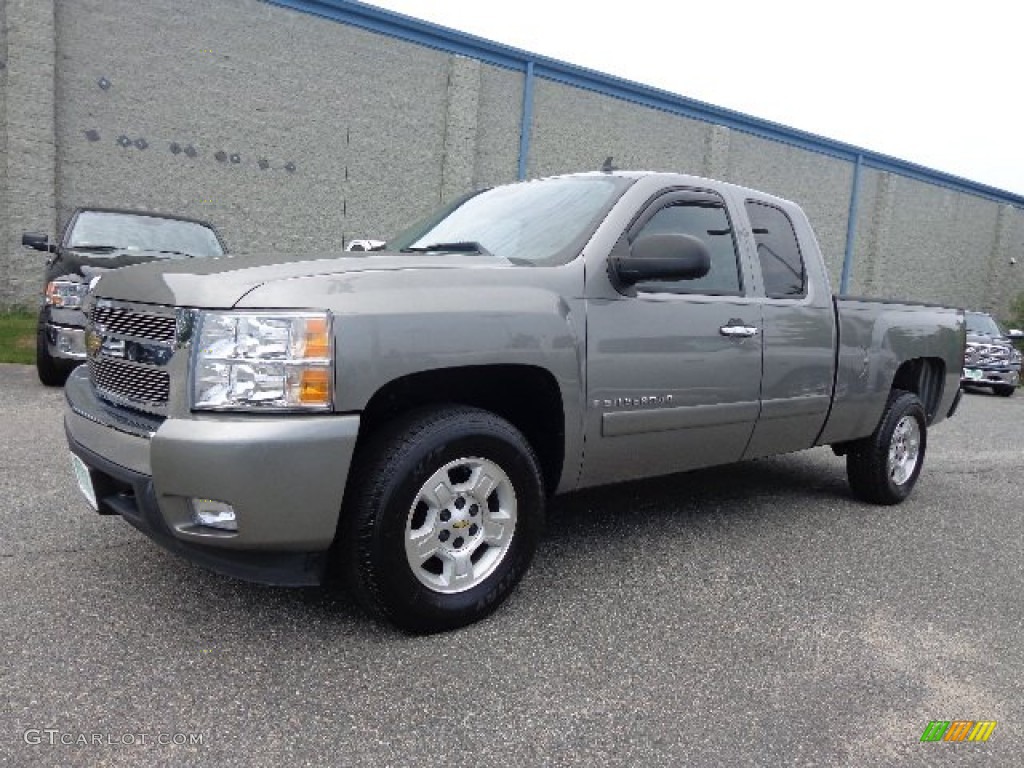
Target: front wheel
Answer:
[[442, 519], [1004, 390], [883, 467], [51, 372]]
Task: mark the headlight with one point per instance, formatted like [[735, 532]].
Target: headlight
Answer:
[[262, 360], [66, 294]]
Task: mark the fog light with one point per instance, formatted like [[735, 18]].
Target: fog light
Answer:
[[214, 514], [71, 343]]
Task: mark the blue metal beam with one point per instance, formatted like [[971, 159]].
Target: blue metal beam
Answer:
[[851, 226], [526, 126], [434, 36]]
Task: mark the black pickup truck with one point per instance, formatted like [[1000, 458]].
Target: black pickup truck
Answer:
[[95, 240], [990, 359]]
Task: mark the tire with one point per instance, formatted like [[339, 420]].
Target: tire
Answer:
[[883, 467], [1004, 390], [435, 560], [52, 373]]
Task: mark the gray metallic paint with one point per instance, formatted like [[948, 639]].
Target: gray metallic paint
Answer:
[[875, 338], [397, 315], [283, 475]]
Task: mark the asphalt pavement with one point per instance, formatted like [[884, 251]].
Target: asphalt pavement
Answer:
[[748, 615]]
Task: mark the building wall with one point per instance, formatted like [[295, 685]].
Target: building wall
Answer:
[[300, 127], [935, 244], [576, 130], [294, 133], [28, 196]]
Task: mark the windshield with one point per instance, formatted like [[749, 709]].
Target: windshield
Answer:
[[136, 232], [983, 325], [535, 223]]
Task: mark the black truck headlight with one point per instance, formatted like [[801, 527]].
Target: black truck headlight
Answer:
[[65, 294]]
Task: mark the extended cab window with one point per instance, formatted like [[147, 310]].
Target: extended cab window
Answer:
[[709, 222], [782, 264]]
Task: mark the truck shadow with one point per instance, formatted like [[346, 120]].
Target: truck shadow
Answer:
[[583, 528], [739, 490]]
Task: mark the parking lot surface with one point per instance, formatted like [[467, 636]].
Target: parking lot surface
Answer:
[[747, 615]]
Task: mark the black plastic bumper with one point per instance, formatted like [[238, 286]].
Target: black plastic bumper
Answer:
[[120, 491]]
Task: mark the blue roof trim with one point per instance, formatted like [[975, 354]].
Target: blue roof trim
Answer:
[[435, 36]]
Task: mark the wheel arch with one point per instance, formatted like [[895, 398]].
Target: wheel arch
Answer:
[[925, 377], [526, 396]]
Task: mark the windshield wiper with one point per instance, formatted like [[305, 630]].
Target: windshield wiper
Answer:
[[178, 253], [461, 246], [97, 248]]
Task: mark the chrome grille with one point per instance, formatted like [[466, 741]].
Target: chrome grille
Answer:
[[129, 382], [123, 322], [130, 346], [986, 354]]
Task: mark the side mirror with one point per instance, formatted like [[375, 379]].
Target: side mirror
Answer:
[[1015, 334], [38, 241], [665, 256]]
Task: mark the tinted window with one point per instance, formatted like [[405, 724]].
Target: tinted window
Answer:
[[710, 224], [983, 325], [782, 265]]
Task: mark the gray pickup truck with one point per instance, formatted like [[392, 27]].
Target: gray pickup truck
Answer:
[[404, 415]]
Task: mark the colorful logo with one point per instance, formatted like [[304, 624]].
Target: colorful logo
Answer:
[[958, 730]]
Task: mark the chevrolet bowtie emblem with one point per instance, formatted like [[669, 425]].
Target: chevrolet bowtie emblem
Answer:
[[93, 343]]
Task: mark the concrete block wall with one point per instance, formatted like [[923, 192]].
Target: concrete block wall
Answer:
[[935, 244], [499, 117], [576, 130], [28, 195], [287, 131], [294, 133]]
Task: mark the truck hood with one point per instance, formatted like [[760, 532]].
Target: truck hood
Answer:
[[214, 283]]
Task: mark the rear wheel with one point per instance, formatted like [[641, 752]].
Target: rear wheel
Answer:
[[883, 467], [443, 517]]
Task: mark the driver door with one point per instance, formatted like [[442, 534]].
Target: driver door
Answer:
[[674, 368]]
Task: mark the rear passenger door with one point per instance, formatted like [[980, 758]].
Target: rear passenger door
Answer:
[[798, 322], [673, 368]]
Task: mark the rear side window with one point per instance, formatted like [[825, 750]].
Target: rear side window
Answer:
[[709, 223], [782, 264]]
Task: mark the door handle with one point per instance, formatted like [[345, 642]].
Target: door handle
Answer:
[[737, 330]]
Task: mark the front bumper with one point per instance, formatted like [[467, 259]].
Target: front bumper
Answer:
[[284, 475], [1009, 376], [63, 331]]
